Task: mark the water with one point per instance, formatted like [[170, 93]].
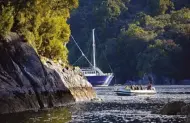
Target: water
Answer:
[[131, 109], [112, 108], [164, 94]]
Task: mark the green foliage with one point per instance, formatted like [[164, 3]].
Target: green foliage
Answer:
[[137, 36], [140, 33], [109, 10], [42, 23], [181, 16], [165, 5], [54, 50], [160, 6], [154, 23], [113, 7], [135, 30], [157, 58], [6, 19]]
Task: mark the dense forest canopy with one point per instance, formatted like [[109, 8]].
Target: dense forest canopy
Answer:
[[136, 36], [43, 23]]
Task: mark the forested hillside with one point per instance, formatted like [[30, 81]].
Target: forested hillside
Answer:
[[43, 23], [136, 36]]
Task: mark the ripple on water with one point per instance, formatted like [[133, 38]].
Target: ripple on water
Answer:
[[128, 118], [132, 109]]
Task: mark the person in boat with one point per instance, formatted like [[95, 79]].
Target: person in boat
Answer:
[[149, 87], [127, 87], [132, 87], [137, 87], [141, 87]]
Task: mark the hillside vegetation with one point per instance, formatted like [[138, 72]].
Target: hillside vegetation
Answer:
[[43, 23], [136, 36]]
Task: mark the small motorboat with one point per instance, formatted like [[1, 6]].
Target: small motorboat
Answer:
[[130, 91]]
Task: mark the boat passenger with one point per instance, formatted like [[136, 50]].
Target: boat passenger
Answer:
[[127, 87], [132, 87], [149, 86], [135, 87], [138, 88]]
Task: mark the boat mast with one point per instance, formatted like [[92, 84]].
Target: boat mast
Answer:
[[94, 49]]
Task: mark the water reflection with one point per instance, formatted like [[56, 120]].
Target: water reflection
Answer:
[[61, 115]]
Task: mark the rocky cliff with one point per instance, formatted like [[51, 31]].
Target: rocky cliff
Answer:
[[27, 84]]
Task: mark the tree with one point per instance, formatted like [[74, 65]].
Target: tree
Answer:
[[6, 19], [160, 6], [157, 58], [42, 23], [137, 36]]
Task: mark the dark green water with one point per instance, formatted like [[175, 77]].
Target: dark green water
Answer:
[[61, 115]]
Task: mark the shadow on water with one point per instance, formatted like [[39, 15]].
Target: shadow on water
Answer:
[[60, 115]]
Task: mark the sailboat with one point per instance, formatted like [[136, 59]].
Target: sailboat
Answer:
[[94, 74]]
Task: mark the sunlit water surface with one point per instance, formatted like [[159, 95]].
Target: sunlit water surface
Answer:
[[113, 108]]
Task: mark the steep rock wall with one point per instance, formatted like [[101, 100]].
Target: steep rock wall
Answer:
[[27, 84]]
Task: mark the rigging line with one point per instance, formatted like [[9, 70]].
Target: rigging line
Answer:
[[77, 60], [81, 51], [108, 61], [105, 57], [88, 45]]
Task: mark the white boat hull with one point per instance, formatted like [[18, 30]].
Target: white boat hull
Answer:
[[123, 92]]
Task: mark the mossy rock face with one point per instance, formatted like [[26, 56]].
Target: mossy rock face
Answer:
[[172, 108]]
